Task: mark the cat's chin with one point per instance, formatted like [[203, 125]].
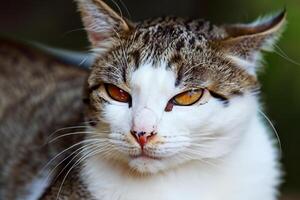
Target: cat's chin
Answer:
[[147, 165]]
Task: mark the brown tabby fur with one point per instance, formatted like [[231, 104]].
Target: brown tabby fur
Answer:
[[170, 40], [39, 94]]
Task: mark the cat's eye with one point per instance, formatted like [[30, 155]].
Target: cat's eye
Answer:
[[188, 98], [117, 93]]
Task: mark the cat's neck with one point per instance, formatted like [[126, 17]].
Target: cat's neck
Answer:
[[108, 180]]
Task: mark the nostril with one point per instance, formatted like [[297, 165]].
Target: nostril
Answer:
[[142, 137], [140, 134]]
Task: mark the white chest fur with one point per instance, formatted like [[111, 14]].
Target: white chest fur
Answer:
[[250, 172]]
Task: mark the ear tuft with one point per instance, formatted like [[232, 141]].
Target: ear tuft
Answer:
[[244, 42], [101, 23]]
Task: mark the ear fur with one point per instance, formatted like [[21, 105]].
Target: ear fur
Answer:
[[245, 42], [101, 23]]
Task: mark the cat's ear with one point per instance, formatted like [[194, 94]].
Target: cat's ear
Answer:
[[245, 42], [101, 23]]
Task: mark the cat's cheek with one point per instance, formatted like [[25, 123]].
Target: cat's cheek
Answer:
[[119, 117], [189, 118]]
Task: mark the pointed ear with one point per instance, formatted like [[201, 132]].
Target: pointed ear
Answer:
[[245, 42], [101, 23]]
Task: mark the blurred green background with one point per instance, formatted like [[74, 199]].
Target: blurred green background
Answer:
[[57, 23]]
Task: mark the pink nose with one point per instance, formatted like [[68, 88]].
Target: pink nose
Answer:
[[142, 137]]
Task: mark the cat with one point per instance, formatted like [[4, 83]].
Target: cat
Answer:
[[39, 94], [173, 111]]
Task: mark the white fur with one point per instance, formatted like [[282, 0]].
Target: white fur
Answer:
[[210, 151], [249, 65], [37, 187]]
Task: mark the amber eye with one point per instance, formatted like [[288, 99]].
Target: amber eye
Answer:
[[188, 98], [117, 93]]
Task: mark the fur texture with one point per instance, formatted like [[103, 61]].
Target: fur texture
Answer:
[[217, 148], [36, 90]]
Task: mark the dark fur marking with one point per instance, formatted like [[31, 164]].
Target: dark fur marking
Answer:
[[179, 76], [225, 100], [168, 30], [192, 41], [86, 100], [146, 37], [124, 77], [93, 87], [199, 25], [180, 45], [136, 58], [175, 59]]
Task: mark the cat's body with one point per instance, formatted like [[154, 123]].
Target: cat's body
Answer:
[[172, 112], [36, 90]]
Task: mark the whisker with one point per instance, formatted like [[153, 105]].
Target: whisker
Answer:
[[282, 54], [65, 177], [82, 158], [69, 134], [65, 150], [126, 9], [274, 130], [79, 149], [71, 31], [199, 145], [199, 138], [195, 157], [66, 128]]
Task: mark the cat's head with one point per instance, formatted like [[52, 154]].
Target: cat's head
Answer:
[[168, 91]]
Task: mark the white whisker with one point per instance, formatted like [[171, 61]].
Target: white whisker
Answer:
[[274, 130]]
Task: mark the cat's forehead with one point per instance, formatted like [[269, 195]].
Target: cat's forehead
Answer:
[[167, 35], [172, 27], [185, 46]]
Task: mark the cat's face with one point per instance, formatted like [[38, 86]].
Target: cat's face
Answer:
[[170, 91]]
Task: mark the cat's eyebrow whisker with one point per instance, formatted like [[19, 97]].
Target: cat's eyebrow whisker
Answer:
[[193, 67], [124, 59]]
